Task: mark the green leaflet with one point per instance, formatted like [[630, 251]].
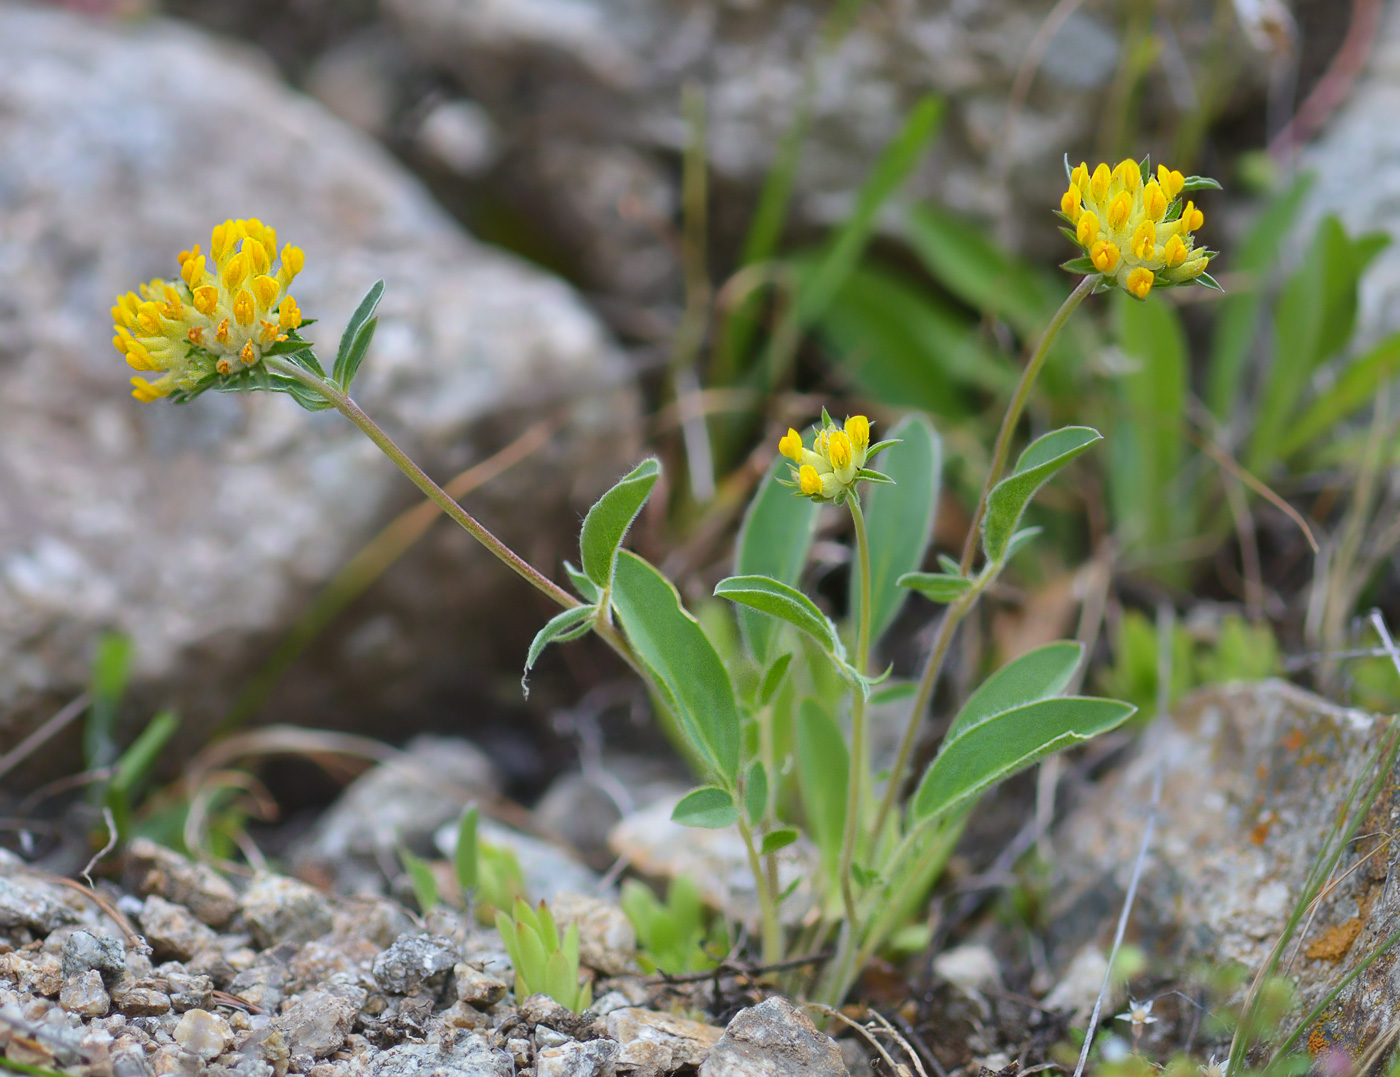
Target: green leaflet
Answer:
[[709, 806], [899, 518], [777, 599], [354, 342], [1003, 744], [570, 624], [607, 521], [1038, 674], [936, 586], [683, 661], [774, 540], [1009, 498]]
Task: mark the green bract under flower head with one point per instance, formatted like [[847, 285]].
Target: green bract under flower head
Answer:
[[218, 318], [830, 469], [1136, 234]]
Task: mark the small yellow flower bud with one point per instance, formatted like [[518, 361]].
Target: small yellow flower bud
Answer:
[[840, 451], [146, 391], [790, 445], [1105, 256], [1088, 230], [268, 333], [808, 481], [1191, 217], [221, 240], [1098, 184], [244, 308], [265, 290], [858, 430], [292, 259], [1174, 252], [258, 257], [1172, 182], [185, 256], [206, 299], [1120, 210], [224, 367], [196, 334], [1128, 175], [221, 333], [1154, 201], [1144, 241], [192, 270], [1140, 282], [288, 316], [1070, 203], [235, 271], [248, 355], [1080, 177]]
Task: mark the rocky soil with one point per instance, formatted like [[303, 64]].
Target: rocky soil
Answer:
[[180, 972]]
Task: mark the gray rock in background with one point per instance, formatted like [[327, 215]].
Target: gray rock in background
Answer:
[[1254, 777], [589, 93], [1356, 169], [199, 531]]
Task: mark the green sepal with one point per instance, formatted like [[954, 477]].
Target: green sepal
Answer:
[[1205, 280], [865, 474], [1083, 264], [881, 446], [1200, 183]]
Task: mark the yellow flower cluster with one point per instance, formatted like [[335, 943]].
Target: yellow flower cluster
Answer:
[[828, 471], [1131, 230], [217, 317]]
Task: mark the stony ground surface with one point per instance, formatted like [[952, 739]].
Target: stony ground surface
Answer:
[[178, 971]]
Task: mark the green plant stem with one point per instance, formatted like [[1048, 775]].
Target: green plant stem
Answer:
[[443, 500], [938, 653], [772, 932], [855, 782]]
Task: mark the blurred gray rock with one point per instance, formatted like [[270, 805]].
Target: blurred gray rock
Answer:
[[198, 887], [596, 1058], [583, 806], [602, 122], [200, 531], [317, 1023], [469, 1053], [548, 869], [1254, 777], [773, 1039], [607, 941], [397, 803], [278, 909], [1356, 167]]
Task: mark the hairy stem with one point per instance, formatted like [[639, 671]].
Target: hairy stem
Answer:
[[442, 499], [767, 899], [938, 653]]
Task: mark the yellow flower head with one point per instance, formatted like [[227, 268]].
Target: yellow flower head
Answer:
[[1133, 228], [830, 469], [216, 317]]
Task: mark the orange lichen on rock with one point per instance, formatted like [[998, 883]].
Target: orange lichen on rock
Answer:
[[1333, 944], [1293, 740]]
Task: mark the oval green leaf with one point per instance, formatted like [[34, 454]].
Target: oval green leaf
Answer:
[[570, 624], [607, 521], [1009, 498], [777, 599], [936, 586], [823, 766], [778, 839], [683, 662], [709, 806], [756, 792], [1038, 674], [1000, 746]]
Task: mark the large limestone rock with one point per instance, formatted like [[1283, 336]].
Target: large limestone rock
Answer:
[[1255, 776], [200, 530], [589, 94]]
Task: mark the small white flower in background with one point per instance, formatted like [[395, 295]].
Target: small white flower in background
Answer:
[[1214, 1068], [1139, 1013]]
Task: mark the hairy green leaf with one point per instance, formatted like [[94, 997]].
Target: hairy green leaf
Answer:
[[777, 599], [1006, 743], [823, 770], [709, 806], [1038, 674], [683, 662], [607, 521], [1009, 498], [354, 342], [936, 586], [570, 624]]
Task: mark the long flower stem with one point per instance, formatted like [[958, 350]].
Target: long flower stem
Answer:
[[938, 653], [441, 497], [856, 780], [772, 928]]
